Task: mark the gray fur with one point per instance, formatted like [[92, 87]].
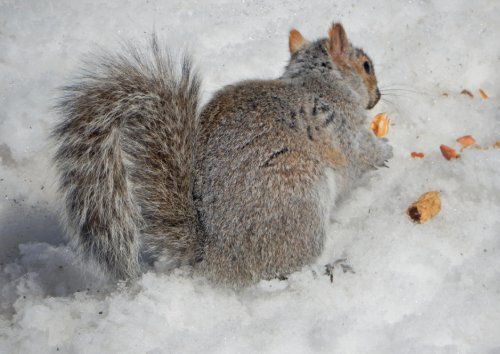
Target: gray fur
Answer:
[[243, 193], [260, 174], [125, 150]]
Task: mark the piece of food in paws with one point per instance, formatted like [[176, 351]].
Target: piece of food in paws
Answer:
[[425, 208], [380, 125]]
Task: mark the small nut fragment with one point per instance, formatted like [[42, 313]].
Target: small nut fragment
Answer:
[[467, 92], [425, 208], [466, 140], [449, 153], [483, 94], [419, 155], [380, 125]]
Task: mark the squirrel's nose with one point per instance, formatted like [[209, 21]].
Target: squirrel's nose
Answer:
[[373, 102]]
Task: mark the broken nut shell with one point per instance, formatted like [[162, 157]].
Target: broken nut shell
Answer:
[[425, 208], [449, 153], [483, 94], [467, 93], [466, 140]]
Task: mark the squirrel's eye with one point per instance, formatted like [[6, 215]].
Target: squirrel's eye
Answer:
[[367, 67]]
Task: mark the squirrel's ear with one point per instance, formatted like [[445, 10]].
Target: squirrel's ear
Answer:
[[295, 41], [338, 44]]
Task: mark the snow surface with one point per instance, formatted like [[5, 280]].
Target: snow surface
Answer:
[[432, 288]]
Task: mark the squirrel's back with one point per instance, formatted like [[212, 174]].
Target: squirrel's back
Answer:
[[262, 160]]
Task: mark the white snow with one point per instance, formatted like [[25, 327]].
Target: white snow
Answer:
[[431, 288]]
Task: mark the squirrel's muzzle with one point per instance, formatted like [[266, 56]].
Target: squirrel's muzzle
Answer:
[[374, 100]]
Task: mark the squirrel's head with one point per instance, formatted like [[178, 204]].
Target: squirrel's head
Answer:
[[335, 57]]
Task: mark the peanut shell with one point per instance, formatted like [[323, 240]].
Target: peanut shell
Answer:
[[425, 208]]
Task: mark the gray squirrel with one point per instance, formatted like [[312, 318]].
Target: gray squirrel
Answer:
[[241, 189]]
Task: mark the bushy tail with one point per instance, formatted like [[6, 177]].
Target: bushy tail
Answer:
[[125, 159]]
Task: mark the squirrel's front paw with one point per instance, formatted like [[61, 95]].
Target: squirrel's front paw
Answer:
[[384, 152], [379, 153]]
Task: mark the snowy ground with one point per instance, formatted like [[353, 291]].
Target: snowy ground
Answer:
[[432, 288]]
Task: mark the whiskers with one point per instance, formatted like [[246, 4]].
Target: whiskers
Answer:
[[390, 104], [392, 94]]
